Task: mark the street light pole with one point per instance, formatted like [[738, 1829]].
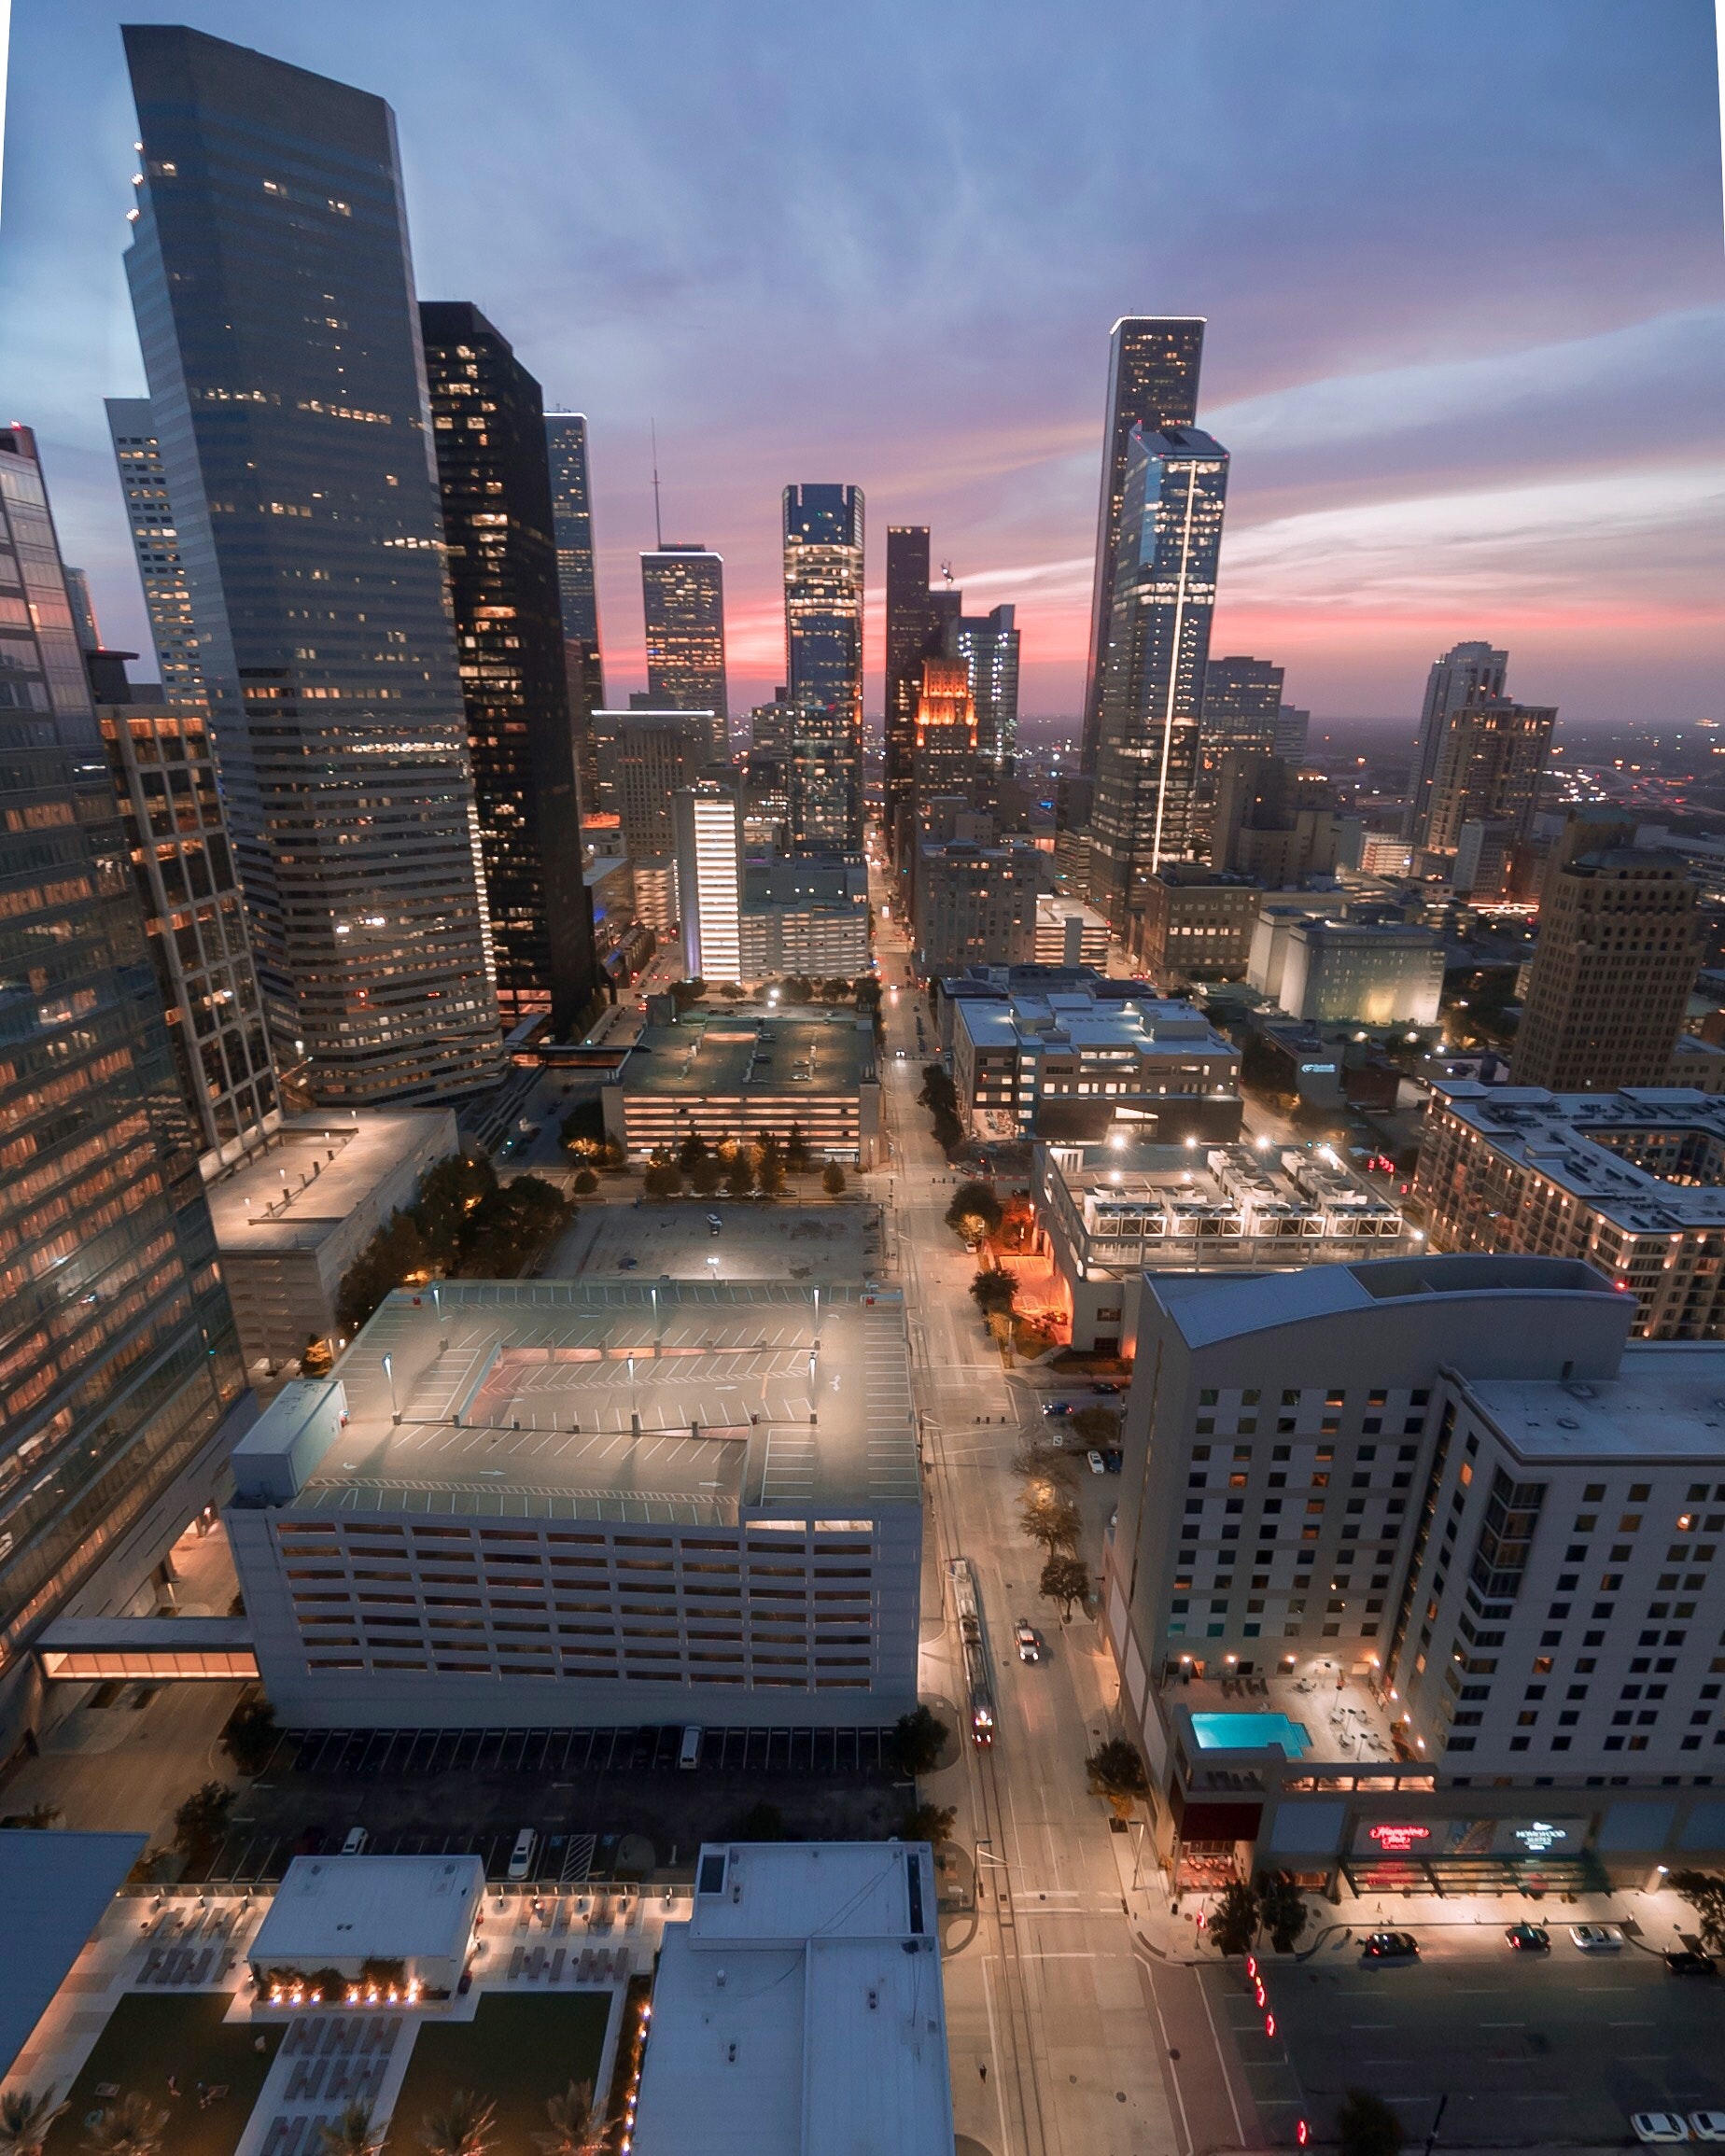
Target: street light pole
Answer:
[[395, 1412]]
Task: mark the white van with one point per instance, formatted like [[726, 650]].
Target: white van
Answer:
[[355, 1842], [521, 1856], [689, 1756]]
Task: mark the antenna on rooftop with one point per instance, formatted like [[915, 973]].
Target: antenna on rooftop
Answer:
[[946, 570], [658, 529]]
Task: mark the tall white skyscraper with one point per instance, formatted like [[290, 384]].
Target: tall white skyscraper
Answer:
[[1465, 673], [709, 881]]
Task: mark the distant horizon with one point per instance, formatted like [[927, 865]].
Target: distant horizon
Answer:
[[1420, 363]]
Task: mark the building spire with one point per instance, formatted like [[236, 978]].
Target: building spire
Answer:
[[658, 528]]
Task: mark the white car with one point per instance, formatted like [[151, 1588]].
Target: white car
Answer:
[[1097, 1465], [1597, 1937], [1660, 2125], [1706, 2126]]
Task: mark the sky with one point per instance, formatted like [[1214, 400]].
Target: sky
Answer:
[[1461, 263]]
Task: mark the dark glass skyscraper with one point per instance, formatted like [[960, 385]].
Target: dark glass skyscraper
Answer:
[[117, 1353], [916, 616], [1152, 366], [571, 507], [683, 598], [488, 425], [155, 541], [274, 301], [823, 664], [1165, 592]]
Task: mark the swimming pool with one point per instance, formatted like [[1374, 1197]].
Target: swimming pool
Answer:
[[1253, 1732]]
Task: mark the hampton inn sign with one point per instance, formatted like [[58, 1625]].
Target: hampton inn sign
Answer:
[[1470, 1838]]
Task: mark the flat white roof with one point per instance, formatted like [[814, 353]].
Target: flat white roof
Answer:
[[276, 1203], [800, 2012], [332, 1908]]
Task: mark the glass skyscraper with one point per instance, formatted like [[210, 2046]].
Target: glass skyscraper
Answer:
[[1153, 367], [682, 596], [989, 646], [155, 541], [571, 507], [1158, 647], [118, 1353], [823, 664], [488, 425], [916, 618], [273, 294]]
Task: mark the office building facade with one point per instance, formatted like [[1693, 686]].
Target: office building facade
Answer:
[[987, 645], [1195, 922], [1153, 370], [643, 758], [1440, 1514], [155, 542], [488, 428], [120, 1358], [682, 594], [823, 664], [1159, 649], [709, 826], [1465, 673], [571, 510], [1490, 757], [1618, 949], [300, 469]]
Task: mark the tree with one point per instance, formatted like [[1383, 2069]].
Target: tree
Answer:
[[796, 1152], [1065, 1580], [1115, 1770], [919, 1740], [466, 2126], [939, 1096], [317, 1357], [662, 1179], [250, 1735], [586, 1182], [691, 1152], [351, 2133], [1037, 1461], [974, 1212], [1235, 1924], [1283, 1910], [24, 2120], [928, 1823], [575, 2129], [832, 1179], [707, 1175], [1367, 2126], [202, 1820], [1704, 1891], [1097, 1426], [132, 2127], [994, 1293], [770, 1171], [740, 1176], [1049, 1516]]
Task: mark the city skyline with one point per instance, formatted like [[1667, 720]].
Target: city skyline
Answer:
[[1408, 473]]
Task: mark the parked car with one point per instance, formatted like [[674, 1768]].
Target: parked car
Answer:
[[1597, 1937], [1659, 2125], [1682, 1961], [1529, 1937], [1390, 1946], [1095, 1461], [1706, 2126], [1029, 1641], [355, 1844], [1114, 1459], [521, 1856], [1057, 1407]]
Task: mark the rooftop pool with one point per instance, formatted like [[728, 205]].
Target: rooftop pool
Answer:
[[1252, 1732]]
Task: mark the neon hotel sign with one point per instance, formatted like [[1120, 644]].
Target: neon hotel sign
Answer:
[[1397, 1837]]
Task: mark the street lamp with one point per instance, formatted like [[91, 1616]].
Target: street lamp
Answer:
[[394, 1411]]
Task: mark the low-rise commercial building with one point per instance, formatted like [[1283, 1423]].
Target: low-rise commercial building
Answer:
[[343, 1913], [1632, 1182], [1076, 1066], [1375, 973], [742, 1074], [805, 917], [975, 905], [1106, 1212], [1410, 1578], [292, 1220], [1070, 933], [799, 2012], [519, 1504]]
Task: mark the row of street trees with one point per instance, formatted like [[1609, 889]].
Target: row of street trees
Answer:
[[739, 1167]]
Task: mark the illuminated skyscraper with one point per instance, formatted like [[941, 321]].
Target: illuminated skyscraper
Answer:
[[1465, 671], [682, 594], [488, 428], [1165, 589], [571, 503], [1242, 701], [155, 541], [273, 296], [1490, 757], [1153, 368], [823, 663], [118, 1359], [917, 620], [709, 881], [945, 742], [987, 645]]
